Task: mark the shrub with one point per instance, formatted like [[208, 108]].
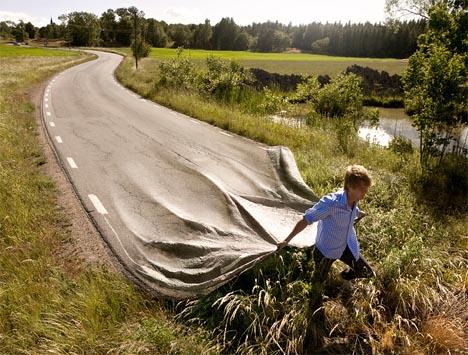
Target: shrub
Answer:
[[341, 97], [177, 73], [273, 102], [224, 80]]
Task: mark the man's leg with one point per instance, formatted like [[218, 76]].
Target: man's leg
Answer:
[[322, 266], [315, 330], [358, 268]]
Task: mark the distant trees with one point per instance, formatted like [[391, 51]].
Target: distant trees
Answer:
[[225, 34], [84, 28], [156, 34], [108, 28], [202, 35], [114, 28]]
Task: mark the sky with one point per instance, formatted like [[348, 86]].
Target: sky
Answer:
[[244, 12]]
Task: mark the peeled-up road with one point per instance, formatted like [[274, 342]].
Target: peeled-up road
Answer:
[[185, 206]]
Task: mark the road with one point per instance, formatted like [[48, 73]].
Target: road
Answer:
[[185, 206]]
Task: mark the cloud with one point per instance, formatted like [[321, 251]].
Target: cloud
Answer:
[[181, 14], [18, 16]]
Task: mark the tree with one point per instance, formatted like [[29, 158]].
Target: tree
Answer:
[[19, 31], [140, 48], [108, 27], [180, 35], [202, 35], [435, 82], [397, 9], [242, 42], [6, 28], [84, 28], [30, 29], [124, 27], [224, 34], [155, 34]]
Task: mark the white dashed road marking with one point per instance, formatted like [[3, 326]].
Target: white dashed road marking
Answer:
[[97, 204], [52, 124], [58, 139], [48, 113], [226, 134], [195, 121], [72, 163]]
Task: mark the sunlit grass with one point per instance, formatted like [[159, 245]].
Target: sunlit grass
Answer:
[[21, 51], [283, 63]]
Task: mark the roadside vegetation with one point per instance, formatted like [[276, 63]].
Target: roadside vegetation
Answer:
[[414, 236], [49, 302]]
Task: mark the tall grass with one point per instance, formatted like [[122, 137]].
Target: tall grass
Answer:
[[417, 249], [45, 307]]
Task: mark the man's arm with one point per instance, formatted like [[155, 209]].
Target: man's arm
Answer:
[[360, 216], [299, 227]]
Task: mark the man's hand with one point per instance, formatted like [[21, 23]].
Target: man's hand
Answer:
[[297, 229]]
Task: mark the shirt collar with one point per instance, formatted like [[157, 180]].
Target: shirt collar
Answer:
[[343, 198]]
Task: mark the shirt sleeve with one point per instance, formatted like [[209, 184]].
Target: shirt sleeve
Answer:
[[320, 210]]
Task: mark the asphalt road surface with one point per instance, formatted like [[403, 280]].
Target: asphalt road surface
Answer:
[[185, 206]]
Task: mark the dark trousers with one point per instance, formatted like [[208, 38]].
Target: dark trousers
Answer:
[[358, 268]]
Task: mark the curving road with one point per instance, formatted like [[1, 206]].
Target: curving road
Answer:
[[184, 205]]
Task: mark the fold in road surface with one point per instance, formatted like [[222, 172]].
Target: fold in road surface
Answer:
[[184, 205]]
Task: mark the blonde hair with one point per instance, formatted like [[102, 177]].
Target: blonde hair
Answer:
[[357, 175]]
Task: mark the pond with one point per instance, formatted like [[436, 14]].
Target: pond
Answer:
[[395, 123]]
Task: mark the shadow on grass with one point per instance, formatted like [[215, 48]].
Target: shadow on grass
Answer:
[[444, 189]]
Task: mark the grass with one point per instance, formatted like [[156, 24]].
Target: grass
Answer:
[[47, 306], [284, 63], [416, 303], [19, 51]]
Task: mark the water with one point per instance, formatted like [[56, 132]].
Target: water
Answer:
[[395, 123], [392, 123]]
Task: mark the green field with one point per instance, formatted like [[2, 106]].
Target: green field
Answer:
[[284, 63], [18, 51]]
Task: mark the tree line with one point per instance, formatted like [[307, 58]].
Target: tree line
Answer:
[[114, 29]]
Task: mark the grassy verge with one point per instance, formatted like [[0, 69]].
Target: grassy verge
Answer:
[[417, 302], [45, 308]]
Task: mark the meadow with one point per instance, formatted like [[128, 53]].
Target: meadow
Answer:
[[50, 301], [22, 51], [283, 63]]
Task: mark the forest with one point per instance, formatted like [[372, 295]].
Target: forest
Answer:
[[114, 29]]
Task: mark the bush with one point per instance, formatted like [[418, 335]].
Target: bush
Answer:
[[224, 80], [401, 145], [273, 102], [177, 73], [341, 97]]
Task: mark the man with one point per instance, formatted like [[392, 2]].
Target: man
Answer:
[[336, 237]]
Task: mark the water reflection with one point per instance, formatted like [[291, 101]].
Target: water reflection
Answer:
[[395, 123]]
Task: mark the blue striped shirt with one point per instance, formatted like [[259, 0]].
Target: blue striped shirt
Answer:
[[335, 227]]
